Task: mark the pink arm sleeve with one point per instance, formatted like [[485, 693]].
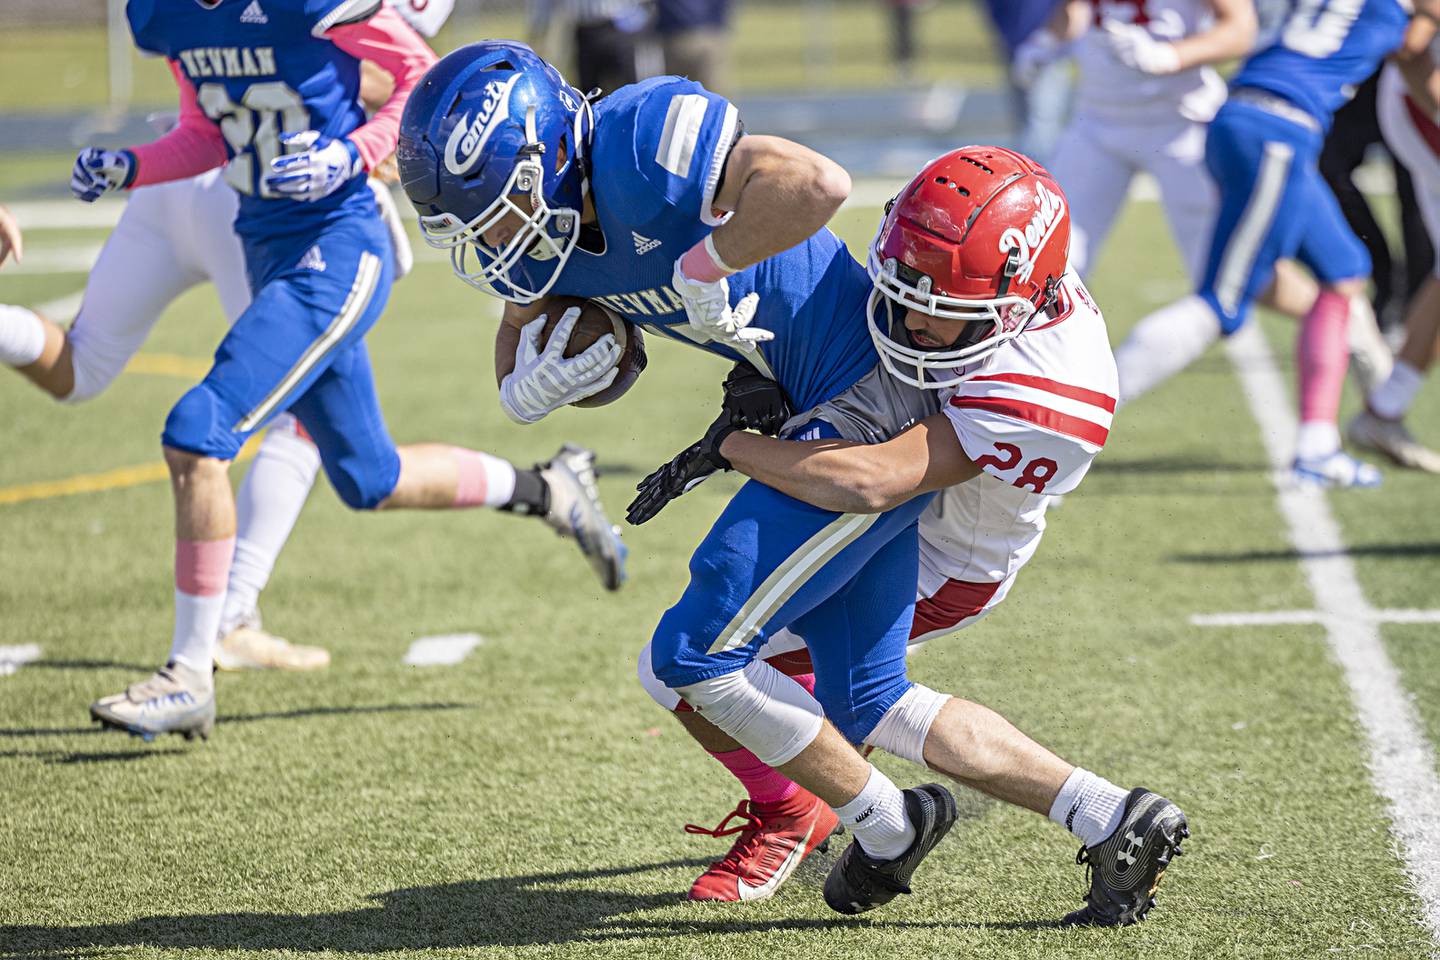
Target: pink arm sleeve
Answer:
[[194, 146], [391, 44]]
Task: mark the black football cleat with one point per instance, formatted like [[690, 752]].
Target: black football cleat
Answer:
[[858, 883], [1125, 869]]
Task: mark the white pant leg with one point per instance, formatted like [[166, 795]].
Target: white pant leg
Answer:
[[141, 269], [1095, 182], [212, 249], [1412, 149], [1175, 157]]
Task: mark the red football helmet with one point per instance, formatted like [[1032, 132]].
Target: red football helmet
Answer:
[[981, 234]]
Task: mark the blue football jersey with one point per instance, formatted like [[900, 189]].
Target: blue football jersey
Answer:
[[657, 153], [1323, 49], [262, 68]]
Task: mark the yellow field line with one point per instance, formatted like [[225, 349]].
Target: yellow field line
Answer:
[[168, 365], [100, 482]]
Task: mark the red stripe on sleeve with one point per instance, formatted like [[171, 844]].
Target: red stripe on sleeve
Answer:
[[1076, 427], [1093, 397]]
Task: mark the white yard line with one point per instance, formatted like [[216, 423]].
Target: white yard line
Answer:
[[1273, 618], [443, 651], [13, 658], [1402, 762]]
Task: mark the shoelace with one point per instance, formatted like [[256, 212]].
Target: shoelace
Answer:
[[1083, 857], [749, 828]]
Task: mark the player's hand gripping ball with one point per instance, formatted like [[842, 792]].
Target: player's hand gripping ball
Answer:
[[595, 321]]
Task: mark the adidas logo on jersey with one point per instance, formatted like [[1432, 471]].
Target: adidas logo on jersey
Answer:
[[643, 245], [253, 14], [312, 261]]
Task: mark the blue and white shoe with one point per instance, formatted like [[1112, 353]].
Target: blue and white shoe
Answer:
[[577, 512], [1338, 469], [175, 699]]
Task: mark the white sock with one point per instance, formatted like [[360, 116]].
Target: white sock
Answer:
[[877, 818], [1392, 398], [1164, 343], [1316, 439], [266, 508], [197, 622], [22, 336], [1089, 806]]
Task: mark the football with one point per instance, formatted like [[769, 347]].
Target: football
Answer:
[[595, 321]]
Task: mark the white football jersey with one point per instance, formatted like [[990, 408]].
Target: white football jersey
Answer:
[[1033, 420], [1108, 88]]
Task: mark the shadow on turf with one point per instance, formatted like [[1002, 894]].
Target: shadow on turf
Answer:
[[1393, 550], [224, 718], [66, 756], [545, 908]]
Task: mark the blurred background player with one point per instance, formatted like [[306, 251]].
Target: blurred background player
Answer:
[[1411, 129], [1262, 150], [1039, 73], [1147, 90], [11, 242], [165, 243], [612, 41], [695, 39], [1397, 271], [319, 261]]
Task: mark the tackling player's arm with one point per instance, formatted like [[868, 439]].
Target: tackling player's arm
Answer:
[[852, 477], [1413, 58], [780, 193]]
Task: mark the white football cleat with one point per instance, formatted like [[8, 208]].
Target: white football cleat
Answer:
[[175, 699], [577, 512], [1335, 470], [1391, 438], [246, 646]]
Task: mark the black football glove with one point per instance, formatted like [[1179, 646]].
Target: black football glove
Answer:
[[754, 401], [682, 473]]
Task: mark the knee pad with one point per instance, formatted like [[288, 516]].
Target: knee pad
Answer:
[[661, 694], [201, 422], [904, 727], [765, 711], [1230, 320]]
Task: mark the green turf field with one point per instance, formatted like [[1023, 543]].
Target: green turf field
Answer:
[[529, 802]]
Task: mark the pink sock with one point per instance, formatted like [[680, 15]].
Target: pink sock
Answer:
[[1323, 354], [806, 680], [764, 784], [483, 480], [201, 570]]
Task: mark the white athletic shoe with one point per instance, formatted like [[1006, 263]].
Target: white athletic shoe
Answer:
[[246, 646], [1338, 469], [1389, 437], [576, 512], [1371, 359], [175, 699]]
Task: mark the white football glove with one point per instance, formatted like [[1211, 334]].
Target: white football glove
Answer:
[[1135, 47], [316, 172], [1034, 54], [100, 171], [707, 306], [544, 380]]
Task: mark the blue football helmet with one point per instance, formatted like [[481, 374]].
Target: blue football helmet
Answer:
[[488, 128]]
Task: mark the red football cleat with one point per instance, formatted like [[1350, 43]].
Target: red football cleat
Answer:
[[774, 838]]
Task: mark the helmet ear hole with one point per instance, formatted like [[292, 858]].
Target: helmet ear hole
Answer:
[[562, 153]]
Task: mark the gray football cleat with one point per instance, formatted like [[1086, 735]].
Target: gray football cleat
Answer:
[[1390, 437], [1126, 868], [175, 699], [576, 511], [857, 882]]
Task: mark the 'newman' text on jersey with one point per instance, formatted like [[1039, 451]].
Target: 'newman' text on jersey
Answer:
[[229, 61]]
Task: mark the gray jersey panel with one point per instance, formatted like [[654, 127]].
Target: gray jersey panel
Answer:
[[875, 409]]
